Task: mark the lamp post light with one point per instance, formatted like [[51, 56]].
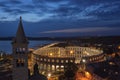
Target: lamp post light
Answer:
[[83, 64]]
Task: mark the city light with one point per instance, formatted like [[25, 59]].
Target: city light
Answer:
[[57, 66], [83, 60], [88, 75], [78, 40], [118, 47], [83, 76], [71, 52], [51, 54], [62, 66], [49, 74]]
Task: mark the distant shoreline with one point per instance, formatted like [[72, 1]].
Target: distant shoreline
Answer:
[[7, 47]]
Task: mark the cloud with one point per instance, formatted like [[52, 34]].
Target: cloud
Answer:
[[81, 30], [15, 11], [53, 16], [53, 1], [33, 17], [79, 9], [3, 17], [10, 2], [63, 9], [107, 11], [11, 7], [15, 1], [29, 6], [2, 5]]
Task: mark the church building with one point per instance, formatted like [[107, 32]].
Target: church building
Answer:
[[20, 54], [20, 58]]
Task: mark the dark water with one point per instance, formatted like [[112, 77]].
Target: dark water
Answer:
[[6, 46]]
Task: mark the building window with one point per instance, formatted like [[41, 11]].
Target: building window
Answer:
[[66, 61], [57, 61], [53, 67], [52, 60], [71, 60], [90, 59], [20, 62], [48, 60], [62, 61], [17, 50], [44, 59], [17, 63], [24, 49], [20, 50], [41, 59]]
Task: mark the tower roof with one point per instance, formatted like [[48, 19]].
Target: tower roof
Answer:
[[20, 34]]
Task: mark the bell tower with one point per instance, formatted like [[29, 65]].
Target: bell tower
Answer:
[[20, 54]]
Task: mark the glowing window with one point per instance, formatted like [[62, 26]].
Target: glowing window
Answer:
[[66, 61], [52, 60], [57, 61], [62, 61]]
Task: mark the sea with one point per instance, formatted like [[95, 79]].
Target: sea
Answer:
[[6, 46]]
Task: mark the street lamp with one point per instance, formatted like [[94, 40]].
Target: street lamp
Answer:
[[83, 66]]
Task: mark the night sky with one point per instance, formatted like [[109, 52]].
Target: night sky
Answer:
[[51, 18]]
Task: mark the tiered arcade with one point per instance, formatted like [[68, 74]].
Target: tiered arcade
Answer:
[[54, 58]]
